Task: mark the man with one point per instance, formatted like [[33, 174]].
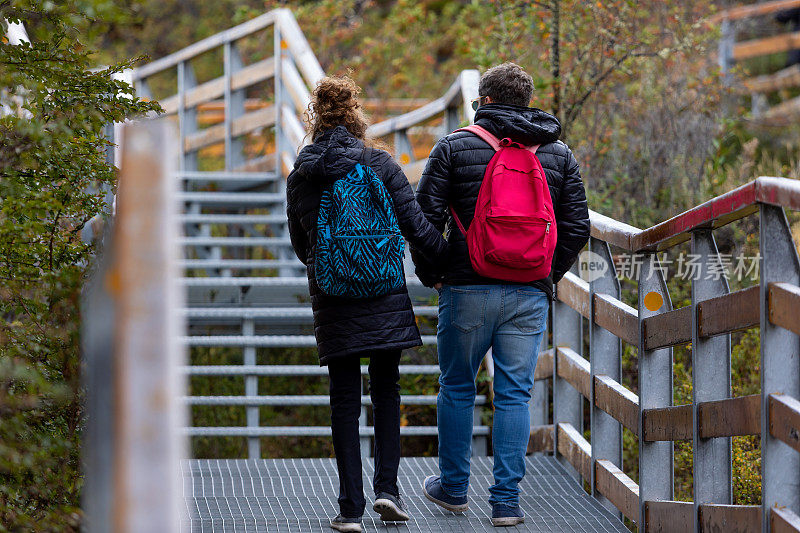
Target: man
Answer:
[[476, 313]]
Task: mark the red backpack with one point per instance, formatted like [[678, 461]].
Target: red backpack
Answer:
[[513, 234]]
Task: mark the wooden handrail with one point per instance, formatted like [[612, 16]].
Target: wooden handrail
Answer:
[[722, 210], [454, 94], [754, 10], [209, 43], [766, 45]]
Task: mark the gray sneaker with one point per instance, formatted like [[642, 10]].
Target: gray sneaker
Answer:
[[391, 508], [347, 525]]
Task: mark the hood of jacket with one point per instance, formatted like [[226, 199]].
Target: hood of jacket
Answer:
[[525, 125], [331, 156]]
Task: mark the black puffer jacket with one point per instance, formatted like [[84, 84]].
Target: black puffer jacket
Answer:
[[454, 174], [355, 326]]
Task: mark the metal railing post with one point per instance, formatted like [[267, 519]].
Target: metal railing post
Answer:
[[234, 107], [187, 117], [655, 390], [567, 401], [140, 384], [711, 380], [403, 151], [605, 350], [725, 49], [538, 406], [251, 389], [364, 440], [780, 371]]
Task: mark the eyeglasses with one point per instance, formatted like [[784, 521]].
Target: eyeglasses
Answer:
[[477, 102]]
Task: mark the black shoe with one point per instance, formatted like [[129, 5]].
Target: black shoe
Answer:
[[391, 508], [507, 515], [433, 490], [347, 525]]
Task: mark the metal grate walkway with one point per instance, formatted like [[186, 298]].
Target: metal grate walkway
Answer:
[[299, 495]]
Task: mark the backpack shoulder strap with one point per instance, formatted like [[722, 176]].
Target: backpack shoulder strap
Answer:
[[490, 139], [484, 134]]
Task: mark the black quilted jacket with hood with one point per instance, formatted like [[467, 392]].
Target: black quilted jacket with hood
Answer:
[[454, 174], [346, 326]]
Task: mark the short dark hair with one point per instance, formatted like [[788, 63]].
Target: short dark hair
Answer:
[[507, 84]]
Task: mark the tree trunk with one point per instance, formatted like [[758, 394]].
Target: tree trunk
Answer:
[[555, 55]]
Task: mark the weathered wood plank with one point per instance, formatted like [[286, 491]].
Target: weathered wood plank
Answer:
[[717, 212], [786, 78], [617, 317], [783, 520], [406, 120], [413, 171], [730, 417], [244, 124], [541, 439], [668, 423], [668, 329], [784, 303], [575, 449], [616, 400], [784, 419], [575, 369], [211, 90], [574, 292], [767, 45], [668, 516], [621, 490], [730, 518], [544, 365], [731, 312], [298, 91], [753, 10], [612, 231]]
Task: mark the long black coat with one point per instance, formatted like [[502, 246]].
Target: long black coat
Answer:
[[346, 326], [454, 174]]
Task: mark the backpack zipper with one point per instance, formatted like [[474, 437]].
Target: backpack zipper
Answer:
[[546, 234]]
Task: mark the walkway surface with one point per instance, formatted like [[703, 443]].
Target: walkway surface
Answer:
[[299, 495]]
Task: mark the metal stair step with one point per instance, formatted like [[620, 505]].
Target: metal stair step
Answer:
[[240, 264], [235, 241], [266, 291], [310, 431], [222, 175], [304, 314], [207, 218], [290, 370], [297, 400], [232, 198], [265, 341]]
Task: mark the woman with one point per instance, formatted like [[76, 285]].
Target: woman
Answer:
[[348, 329]]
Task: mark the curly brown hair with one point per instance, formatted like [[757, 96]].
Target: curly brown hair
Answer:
[[334, 102]]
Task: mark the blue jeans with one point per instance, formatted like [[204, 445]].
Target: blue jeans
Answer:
[[510, 319]]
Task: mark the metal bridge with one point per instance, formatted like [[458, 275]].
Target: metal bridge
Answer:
[[199, 259]]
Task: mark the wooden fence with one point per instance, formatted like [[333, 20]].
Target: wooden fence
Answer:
[[714, 416]]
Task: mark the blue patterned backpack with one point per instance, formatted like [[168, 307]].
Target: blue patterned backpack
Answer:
[[359, 246]]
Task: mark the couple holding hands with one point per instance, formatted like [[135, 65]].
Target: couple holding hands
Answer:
[[511, 197]]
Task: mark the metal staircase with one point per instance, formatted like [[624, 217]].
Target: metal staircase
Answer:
[[244, 287]]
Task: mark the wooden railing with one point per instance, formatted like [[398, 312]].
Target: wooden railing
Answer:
[[293, 70], [456, 108], [731, 51], [714, 416]]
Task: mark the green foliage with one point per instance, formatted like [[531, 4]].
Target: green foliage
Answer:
[[53, 178]]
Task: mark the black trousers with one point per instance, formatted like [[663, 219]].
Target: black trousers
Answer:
[[345, 393]]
